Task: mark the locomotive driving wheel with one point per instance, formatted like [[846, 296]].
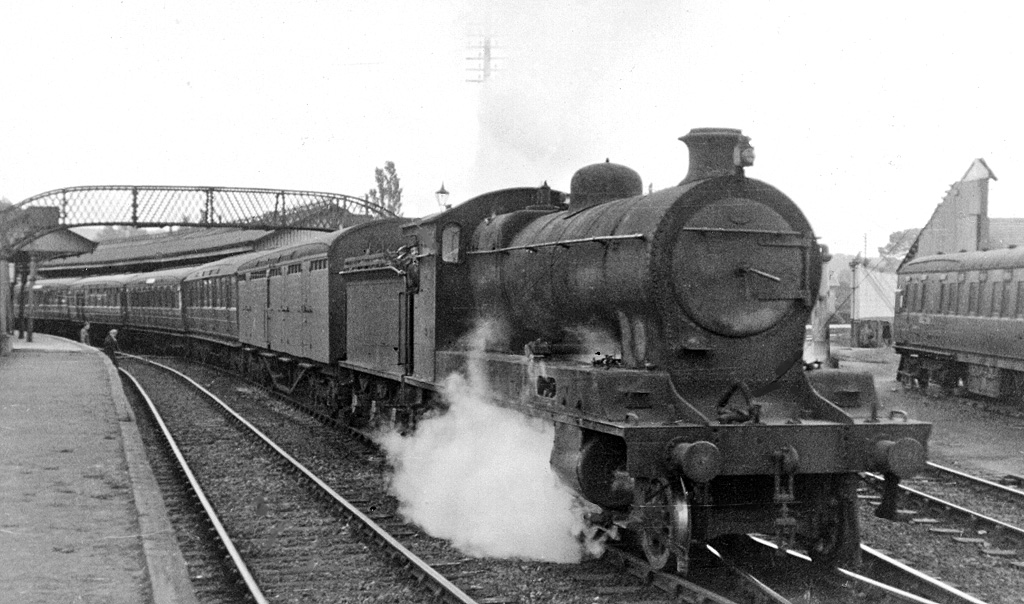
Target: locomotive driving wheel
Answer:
[[664, 514]]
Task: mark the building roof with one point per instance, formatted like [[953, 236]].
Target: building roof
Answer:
[[58, 244], [1004, 232], [193, 246]]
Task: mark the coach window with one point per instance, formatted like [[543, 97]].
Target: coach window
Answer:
[[931, 302], [450, 236], [972, 299], [1005, 304], [996, 293]]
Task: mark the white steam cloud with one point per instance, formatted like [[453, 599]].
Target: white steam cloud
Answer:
[[572, 86], [479, 476]]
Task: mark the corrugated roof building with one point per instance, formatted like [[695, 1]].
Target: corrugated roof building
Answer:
[[143, 253]]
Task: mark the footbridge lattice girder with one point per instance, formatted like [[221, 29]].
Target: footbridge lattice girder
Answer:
[[160, 206]]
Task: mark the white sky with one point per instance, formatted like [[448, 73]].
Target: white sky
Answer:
[[864, 115]]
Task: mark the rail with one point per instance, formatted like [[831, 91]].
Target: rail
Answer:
[[419, 568], [236, 558], [934, 587]]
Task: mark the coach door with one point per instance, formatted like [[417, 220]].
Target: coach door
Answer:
[[317, 311], [303, 314], [277, 305], [258, 286]]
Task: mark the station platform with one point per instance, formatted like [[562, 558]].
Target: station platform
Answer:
[[81, 516]]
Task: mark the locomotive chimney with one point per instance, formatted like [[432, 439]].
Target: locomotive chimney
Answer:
[[716, 152]]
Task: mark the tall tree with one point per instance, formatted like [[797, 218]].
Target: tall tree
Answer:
[[899, 244], [388, 192]]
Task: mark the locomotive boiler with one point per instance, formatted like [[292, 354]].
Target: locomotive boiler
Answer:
[[663, 334]]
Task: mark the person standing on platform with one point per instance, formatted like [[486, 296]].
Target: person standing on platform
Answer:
[[83, 335], [111, 347]]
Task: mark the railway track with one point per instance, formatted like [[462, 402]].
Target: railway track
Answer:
[[969, 528], [619, 577], [1011, 491], [940, 500], [282, 547], [880, 577]]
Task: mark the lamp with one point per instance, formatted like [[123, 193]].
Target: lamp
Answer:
[[442, 197]]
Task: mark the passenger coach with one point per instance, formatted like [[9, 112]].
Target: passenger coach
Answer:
[[960, 320]]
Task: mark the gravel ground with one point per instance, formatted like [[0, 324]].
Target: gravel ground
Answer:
[[964, 436], [297, 550], [977, 438]]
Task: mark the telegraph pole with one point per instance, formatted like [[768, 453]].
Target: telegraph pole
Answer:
[[482, 46], [5, 301]]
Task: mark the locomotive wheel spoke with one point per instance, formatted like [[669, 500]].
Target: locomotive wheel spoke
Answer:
[[665, 525]]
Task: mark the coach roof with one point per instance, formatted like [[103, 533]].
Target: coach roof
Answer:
[[1007, 258], [292, 253]]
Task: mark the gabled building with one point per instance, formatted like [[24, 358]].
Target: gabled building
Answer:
[[961, 222]]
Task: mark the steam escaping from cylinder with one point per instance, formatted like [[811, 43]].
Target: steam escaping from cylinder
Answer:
[[479, 476]]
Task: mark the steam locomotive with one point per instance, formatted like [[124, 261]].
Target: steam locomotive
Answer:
[[661, 334]]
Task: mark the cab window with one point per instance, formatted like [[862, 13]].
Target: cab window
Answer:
[[450, 242]]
